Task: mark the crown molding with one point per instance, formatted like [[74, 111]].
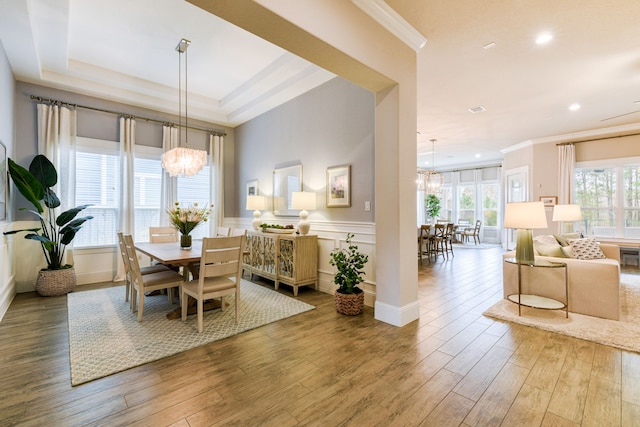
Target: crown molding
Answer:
[[384, 15]]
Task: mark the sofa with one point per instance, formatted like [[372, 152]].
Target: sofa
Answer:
[[594, 284]]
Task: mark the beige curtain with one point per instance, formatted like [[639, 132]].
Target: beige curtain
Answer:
[[216, 195], [57, 141], [566, 172], [168, 189], [126, 214]]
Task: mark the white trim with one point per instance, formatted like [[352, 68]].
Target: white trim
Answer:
[[384, 15], [397, 316]]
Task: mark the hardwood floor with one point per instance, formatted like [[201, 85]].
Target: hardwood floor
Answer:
[[451, 367]]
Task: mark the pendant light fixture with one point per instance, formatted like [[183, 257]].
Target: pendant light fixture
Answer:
[[183, 161], [430, 181]]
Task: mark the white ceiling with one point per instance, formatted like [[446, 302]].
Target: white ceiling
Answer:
[[124, 50]]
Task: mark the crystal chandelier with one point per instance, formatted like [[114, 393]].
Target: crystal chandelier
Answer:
[[430, 181], [180, 160]]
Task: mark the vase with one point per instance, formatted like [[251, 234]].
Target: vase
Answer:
[[185, 241]]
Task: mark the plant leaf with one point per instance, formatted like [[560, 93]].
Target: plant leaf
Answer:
[[44, 171], [67, 216], [50, 199], [27, 184]]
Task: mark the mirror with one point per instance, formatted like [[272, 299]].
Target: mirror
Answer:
[[286, 181]]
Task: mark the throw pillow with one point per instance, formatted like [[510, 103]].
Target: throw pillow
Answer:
[[549, 250], [561, 239], [568, 251], [586, 248], [545, 239]]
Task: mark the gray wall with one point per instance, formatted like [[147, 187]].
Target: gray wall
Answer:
[[330, 125], [101, 125]]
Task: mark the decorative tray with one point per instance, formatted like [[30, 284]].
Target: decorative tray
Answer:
[[280, 230]]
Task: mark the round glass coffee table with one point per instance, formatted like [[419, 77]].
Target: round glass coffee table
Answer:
[[537, 301]]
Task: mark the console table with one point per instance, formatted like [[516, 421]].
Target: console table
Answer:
[[291, 259], [537, 301]]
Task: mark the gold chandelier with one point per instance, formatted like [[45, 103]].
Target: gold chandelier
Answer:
[[430, 181], [183, 161]]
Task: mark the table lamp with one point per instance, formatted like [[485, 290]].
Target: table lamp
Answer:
[[303, 200], [256, 204], [524, 216], [568, 213]]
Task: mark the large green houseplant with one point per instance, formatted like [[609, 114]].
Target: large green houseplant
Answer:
[[56, 230], [349, 265], [432, 206]]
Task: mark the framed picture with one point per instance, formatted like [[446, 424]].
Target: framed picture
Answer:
[[252, 188], [549, 201], [285, 181], [339, 186], [4, 170]]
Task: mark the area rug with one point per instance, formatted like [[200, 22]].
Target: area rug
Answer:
[[105, 336], [623, 333]]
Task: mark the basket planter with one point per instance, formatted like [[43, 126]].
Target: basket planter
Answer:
[[350, 304], [56, 282]]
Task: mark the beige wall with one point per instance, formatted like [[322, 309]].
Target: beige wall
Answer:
[[608, 148]]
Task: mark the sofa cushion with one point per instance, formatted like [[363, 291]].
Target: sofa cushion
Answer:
[[549, 250], [563, 239], [586, 248], [545, 239]]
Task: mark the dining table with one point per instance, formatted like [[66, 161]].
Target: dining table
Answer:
[[172, 254]]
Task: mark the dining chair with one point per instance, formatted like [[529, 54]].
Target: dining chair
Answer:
[[238, 232], [222, 231], [163, 234], [438, 240], [472, 232], [424, 242], [142, 283], [449, 237], [220, 270], [127, 268]]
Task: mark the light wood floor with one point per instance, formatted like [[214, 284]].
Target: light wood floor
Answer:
[[451, 367]]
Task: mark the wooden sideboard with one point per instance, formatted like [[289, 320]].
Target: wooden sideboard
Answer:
[[291, 259]]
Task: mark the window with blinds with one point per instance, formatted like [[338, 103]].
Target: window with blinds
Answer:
[[98, 183]]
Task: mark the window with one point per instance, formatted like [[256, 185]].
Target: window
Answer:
[[466, 202], [490, 204], [97, 183], [609, 196]]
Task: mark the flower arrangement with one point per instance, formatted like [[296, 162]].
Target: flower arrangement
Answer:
[[186, 219]]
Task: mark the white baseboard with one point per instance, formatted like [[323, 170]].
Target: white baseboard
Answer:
[[397, 316]]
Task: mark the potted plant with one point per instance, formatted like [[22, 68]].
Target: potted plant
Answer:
[[349, 264], [56, 230], [432, 206]]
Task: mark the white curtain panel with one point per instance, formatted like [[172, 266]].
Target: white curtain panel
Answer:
[[168, 188], [566, 170], [216, 189], [57, 141], [126, 214]]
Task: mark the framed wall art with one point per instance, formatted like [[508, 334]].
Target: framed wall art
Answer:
[[339, 186], [549, 201], [252, 188]]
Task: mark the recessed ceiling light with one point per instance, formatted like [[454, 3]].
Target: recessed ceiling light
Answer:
[[544, 38], [574, 107], [478, 156]]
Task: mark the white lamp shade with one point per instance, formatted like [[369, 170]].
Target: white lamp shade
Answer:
[[184, 161], [525, 215], [567, 213], [304, 200], [256, 203]]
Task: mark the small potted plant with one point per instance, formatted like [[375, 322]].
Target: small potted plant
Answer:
[[57, 229], [432, 206], [349, 264]]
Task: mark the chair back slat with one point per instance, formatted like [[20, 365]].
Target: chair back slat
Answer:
[[163, 234]]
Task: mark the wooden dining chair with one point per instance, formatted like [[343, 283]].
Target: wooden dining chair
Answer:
[[424, 242], [449, 237], [127, 267], [163, 234], [222, 231], [142, 283], [473, 232], [438, 240], [220, 271]]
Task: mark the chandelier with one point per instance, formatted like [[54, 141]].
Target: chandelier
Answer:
[[430, 181], [183, 161]]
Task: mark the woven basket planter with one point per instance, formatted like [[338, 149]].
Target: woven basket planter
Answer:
[[349, 304], [52, 283]]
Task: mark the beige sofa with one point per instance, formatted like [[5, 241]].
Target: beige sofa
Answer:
[[594, 285]]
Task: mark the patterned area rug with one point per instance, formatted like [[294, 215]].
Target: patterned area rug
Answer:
[[105, 336], [623, 334]]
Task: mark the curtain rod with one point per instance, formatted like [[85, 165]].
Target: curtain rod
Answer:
[[148, 119], [597, 139]]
